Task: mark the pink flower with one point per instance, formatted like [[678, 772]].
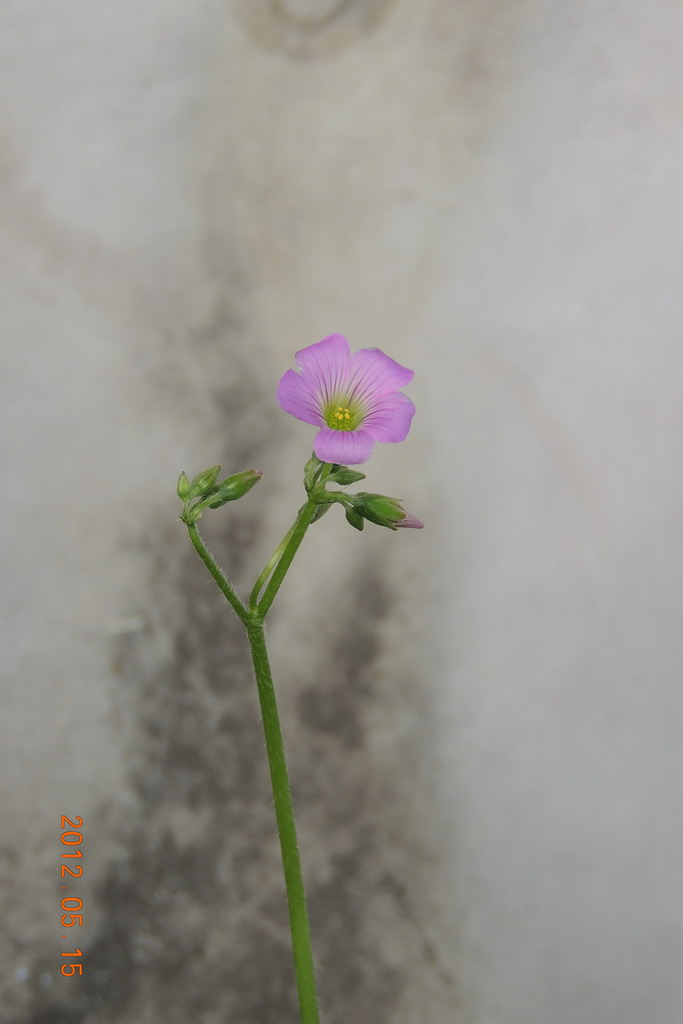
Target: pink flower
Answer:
[[353, 399]]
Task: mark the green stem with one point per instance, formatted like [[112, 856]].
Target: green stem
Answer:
[[217, 573], [284, 813], [297, 535], [253, 619], [253, 598], [289, 547]]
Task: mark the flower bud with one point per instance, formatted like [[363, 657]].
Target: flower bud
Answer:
[[233, 487], [311, 470], [343, 475], [410, 522], [183, 488], [204, 483], [384, 511]]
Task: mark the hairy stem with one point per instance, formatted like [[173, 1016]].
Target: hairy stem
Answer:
[[303, 522], [272, 562], [219, 576], [289, 547]]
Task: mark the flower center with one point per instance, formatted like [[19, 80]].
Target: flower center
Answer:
[[340, 417]]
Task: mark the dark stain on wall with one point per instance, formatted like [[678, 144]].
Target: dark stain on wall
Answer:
[[192, 905], [333, 703]]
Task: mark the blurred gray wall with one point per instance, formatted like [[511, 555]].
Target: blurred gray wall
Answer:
[[484, 718]]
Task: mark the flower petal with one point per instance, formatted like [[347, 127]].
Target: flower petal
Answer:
[[389, 418], [374, 374], [296, 397], [325, 367], [347, 447]]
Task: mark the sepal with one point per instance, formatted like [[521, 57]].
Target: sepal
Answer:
[[320, 512], [354, 518]]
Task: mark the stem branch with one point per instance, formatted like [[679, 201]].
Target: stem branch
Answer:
[[289, 547], [260, 582], [253, 619], [292, 546], [219, 576]]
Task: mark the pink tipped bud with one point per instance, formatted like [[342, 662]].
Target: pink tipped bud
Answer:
[[409, 523], [384, 511]]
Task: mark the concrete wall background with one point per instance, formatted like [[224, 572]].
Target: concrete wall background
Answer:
[[484, 718]]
